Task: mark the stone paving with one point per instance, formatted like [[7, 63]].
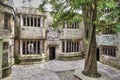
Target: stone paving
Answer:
[[55, 70]]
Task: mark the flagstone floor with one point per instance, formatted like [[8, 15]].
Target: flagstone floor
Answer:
[[55, 70]]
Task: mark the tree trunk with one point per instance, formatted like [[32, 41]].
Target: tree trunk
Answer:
[[90, 14]]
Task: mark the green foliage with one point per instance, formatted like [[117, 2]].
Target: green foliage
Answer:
[[67, 11], [112, 18], [117, 28]]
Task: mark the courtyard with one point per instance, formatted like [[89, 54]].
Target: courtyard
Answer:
[[56, 70]]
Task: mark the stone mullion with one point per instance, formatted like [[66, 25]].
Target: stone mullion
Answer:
[[21, 48], [65, 25], [110, 53], [65, 46], [75, 46], [41, 47], [74, 25], [25, 20], [107, 50], [113, 50], [79, 49], [30, 21], [25, 47], [21, 19], [36, 21], [29, 48], [68, 46], [71, 46], [41, 21], [36, 46], [33, 21]]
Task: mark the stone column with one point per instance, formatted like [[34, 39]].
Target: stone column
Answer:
[[0, 59]]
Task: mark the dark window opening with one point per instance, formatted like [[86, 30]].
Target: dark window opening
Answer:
[[32, 21], [39, 22], [24, 21], [108, 30], [31, 47], [28, 20], [109, 50], [70, 46], [7, 21], [35, 22]]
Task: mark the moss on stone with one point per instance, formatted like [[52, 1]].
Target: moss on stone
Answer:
[[6, 72], [70, 57]]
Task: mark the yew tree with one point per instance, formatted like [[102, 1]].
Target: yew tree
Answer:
[[87, 11]]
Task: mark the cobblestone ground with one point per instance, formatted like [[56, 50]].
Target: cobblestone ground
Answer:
[[55, 70]]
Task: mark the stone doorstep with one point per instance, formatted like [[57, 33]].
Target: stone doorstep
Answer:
[[79, 76]]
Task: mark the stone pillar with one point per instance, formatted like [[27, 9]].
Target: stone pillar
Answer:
[[0, 59]]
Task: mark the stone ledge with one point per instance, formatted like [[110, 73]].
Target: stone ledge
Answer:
[[79, 76]]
